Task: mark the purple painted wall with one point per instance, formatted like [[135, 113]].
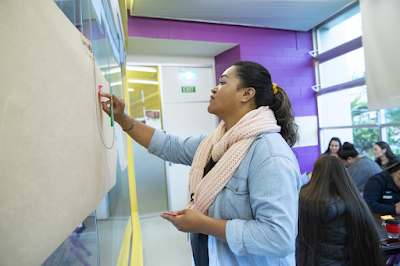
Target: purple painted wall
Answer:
[[283, 53], [225, 60], [306, 157]]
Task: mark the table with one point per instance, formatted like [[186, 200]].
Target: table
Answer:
[[383, 234]]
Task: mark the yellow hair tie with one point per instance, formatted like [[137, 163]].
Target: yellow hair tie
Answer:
[[274, 89]]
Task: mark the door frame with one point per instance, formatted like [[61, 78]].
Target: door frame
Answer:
[[160, 69]]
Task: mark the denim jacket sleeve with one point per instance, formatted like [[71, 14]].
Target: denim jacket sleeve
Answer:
[[274, 185], [173, 148]]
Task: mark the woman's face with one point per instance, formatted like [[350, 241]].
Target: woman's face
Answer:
[[396, 178], [334, 147], [225, 97], [378, 151]]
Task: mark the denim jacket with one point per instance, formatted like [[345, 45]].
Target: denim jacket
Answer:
[[259, 202]]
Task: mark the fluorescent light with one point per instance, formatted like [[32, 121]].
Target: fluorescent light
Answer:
[[188, 75], [142, 81], [116, 83], [142, 69], [130, 89], [112, 71]]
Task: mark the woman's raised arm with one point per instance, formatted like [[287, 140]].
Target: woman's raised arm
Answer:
[[140, 132]]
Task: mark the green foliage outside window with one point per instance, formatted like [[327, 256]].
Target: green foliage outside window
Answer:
[[393, 116], [365, 138]]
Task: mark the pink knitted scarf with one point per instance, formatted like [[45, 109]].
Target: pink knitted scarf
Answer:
[[228, 150]]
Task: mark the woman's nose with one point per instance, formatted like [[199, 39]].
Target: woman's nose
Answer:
[[215, 89]]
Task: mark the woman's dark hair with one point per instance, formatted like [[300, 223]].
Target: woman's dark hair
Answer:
[[389, 153], [347, 150], [335, 139], [394, 168], [255, 75], [330, 180]]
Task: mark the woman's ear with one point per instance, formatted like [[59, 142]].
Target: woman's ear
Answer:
[[384, 151], [248, 94]]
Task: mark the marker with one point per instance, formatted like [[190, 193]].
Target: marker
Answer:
[[99, 90], [112, 115], [173, 214]]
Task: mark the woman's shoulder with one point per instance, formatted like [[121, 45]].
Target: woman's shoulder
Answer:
[[270, 147], [366, 163], [376, 182], [272, 144], [394, 160]]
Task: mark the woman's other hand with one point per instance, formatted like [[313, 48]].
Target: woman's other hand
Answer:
[[118, 106], [309, 175], [397, 205], [188, 220]]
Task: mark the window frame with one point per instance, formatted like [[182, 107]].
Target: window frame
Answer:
[[334, 53]]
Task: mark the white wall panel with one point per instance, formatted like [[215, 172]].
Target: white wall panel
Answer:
[[308, 131]]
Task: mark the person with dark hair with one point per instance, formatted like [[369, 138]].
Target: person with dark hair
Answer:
[[360, 167], [384, 155], [244, 181], [335, 224], [382, 191], [333, 147]]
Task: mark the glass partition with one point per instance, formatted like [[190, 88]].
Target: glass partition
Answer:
[[98, 239], [145, 105]]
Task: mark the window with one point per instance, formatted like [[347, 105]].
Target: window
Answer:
[[391, 115], [343, 106], [391, 135], [342, 29], [344, 68]]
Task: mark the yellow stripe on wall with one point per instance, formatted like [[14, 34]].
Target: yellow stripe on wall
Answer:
[[123, 259], [137, 249]]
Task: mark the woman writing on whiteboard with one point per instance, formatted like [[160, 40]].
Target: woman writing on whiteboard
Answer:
[[244, 182]]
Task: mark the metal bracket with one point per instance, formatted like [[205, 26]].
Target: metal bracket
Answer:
[[313, 53], [316, 88]]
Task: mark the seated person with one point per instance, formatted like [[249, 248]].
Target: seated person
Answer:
[[333, 147], [360, 168], [335, 225], [382, 192], [384, 155], [305, 177]]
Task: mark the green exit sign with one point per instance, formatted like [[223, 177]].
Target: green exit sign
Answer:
[[188, 89]]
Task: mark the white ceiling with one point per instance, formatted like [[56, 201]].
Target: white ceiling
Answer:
[[148, 46], [300, 15]]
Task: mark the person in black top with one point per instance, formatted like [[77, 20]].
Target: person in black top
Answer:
[[336, 227], [382, 192], [199, 242], [384, 155]]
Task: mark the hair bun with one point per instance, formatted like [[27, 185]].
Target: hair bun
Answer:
[[348, 146]]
